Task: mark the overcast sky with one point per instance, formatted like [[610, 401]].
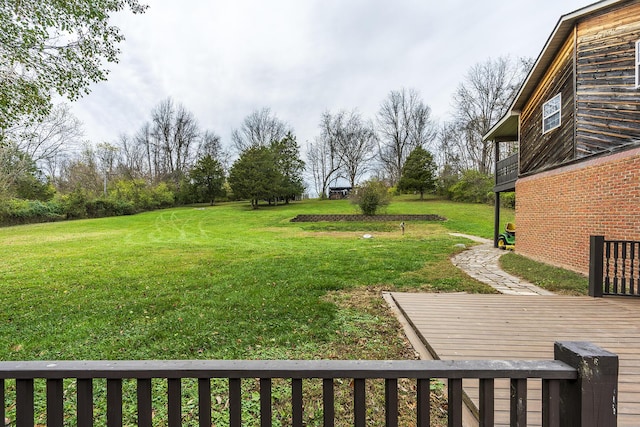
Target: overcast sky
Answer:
[[223, 59]]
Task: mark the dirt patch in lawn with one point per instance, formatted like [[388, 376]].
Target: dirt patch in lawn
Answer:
[[366, 218]]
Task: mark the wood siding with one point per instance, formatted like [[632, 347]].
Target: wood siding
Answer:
[[538, 151], [608, 103]]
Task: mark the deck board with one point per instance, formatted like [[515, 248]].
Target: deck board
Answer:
[[463, 326]]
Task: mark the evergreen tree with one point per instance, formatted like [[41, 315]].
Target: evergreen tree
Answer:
[[207, 179], [253, 175], [418, 172], [290, 167]]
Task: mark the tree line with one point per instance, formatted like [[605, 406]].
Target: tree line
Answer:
[[170, 159]]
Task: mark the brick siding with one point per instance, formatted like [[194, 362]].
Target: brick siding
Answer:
[[557, 211]]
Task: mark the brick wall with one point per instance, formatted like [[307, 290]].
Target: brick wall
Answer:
[[557, 211]]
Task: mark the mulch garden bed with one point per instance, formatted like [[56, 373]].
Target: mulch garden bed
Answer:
[[365, 218]]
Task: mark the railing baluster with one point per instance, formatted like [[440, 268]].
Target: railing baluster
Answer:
[[607, 277], [174, 402], [265, 402], [391, 402], [550, 403], [455, 402], [85, 402], [423, 402], [235, 402], [632, 257], [624, 268], [114, 402], [638, 269], [55, 402], [487, 402], [3, 414], [359, 403], [145, 409], [204, 402], [518, 402], [328, 402], [615, 267], [24, 403], [296, 402]]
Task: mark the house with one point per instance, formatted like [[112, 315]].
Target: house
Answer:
[[576, 120]]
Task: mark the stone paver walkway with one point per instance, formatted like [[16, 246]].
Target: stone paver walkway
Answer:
[[481, 263]]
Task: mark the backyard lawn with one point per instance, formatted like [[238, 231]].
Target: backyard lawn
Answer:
[[224, 282]]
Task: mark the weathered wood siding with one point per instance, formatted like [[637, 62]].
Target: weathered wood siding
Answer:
[[608, 103], [538, 151]]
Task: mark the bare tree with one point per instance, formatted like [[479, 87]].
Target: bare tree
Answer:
[[14, 164], [323, 164], [106, 154], [211, 145], [352, 140], [174, 131], [404, 122], [482, 99], [48, 139], [81, 173], [259, 129], [132, 159], [452, 148], [151, 152]]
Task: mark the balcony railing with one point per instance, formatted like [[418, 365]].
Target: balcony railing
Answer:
[[507, 173], [583, 377]]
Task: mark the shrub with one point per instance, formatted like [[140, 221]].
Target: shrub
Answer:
[[75, 204], [508, 200], [99, 208], [370, 196], [19, 211], [474, 187]]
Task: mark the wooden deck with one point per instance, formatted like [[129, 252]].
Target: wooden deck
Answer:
[[509, 327]]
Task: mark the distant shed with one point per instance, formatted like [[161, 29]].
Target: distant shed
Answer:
[[338, 193]]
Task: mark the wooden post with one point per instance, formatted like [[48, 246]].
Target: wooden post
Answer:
[[592, 399], [596, 253], [496, 216], [496, 221]]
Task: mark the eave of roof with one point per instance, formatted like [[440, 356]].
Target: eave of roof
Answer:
[[563, 28], [506, 129]]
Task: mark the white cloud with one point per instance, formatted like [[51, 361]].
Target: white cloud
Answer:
[[222, 59]]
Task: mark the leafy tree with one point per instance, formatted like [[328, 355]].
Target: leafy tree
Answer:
[[371, 195], [418, 172], [252, 176], [207, 179], [59, 46]]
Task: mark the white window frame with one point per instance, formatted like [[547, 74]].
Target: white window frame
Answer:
[[547, 115], [637, 62]]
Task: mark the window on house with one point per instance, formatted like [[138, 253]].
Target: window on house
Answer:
[[638, 64], [551, 113]]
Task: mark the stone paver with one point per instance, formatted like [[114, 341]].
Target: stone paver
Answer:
[[481, 263]]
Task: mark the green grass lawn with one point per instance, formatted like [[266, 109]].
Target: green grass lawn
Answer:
[[556, 280], [212, 282], [224, 282]]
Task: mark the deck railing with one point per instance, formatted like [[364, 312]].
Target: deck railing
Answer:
[[507, 171], [614, 267], [579, 387]]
